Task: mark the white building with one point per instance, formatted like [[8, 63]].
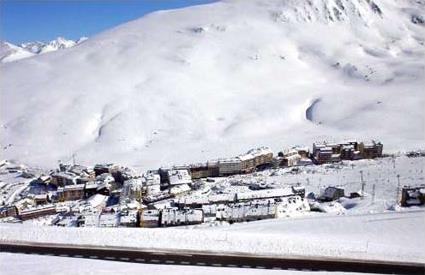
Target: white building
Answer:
[[132, 189], [174, 216], [152, 181], [179, 189], [177, 177], [292, 157], [229, 166]]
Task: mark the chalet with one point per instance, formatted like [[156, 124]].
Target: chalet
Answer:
[[299, 191], [175, 216], [222, 198], [118, 173], [109, 220], [82, 171], [179, 189], [371, 150], [90, 189], [149, 217], [335, 147], [230, 166], [132, 189], [8, 211], [61, 179], [348, 152], [213, 168], [152, 183], [265, 194], [163, 175], [108, 168], [71, 192], [304, 152], [25, 203], [246, 211], [198, 171], [32, 213], [412, 196], [331, 193], [157, 197], [41, 199], [335, 157], [129, 218], [290, 158], [105, 178], [193, 201], [247, 163], [262, 156], [322, 153], [210, 210], [177, 177]]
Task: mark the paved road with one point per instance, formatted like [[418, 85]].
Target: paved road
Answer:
[[214, 259]]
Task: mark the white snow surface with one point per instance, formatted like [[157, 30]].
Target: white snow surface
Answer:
[[215, 80], [393, 236]]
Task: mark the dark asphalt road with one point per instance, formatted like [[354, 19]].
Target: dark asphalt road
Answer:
[[215, 259]]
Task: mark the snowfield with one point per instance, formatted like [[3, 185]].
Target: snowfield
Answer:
[[387, 236], [215, 80]]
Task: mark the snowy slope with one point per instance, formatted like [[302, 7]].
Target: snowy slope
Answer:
[[214, 80]]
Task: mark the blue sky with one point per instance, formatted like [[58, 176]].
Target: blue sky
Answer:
[[44, 20]]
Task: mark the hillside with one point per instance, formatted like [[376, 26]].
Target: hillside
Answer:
[[215, 80]]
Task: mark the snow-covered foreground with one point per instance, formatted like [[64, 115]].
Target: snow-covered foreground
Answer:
[[389, 236], [216, 80], [32, 264]]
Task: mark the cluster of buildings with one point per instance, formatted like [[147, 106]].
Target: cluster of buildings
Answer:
[[334, 152], [49, 194], [231, 207], [109, 195]]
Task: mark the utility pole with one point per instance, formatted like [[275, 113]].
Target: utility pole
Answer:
[[373, 193], [73, 159], [398, 189], [362, 182]]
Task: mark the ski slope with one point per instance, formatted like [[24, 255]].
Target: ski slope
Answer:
[[215, 80]]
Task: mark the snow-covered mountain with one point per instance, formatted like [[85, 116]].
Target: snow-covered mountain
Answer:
[[214, 80], [10, 52]]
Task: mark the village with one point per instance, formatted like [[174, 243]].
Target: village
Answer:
[[230, 190]]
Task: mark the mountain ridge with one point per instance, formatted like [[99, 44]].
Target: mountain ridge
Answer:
[[214, 80], [10, 52]]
